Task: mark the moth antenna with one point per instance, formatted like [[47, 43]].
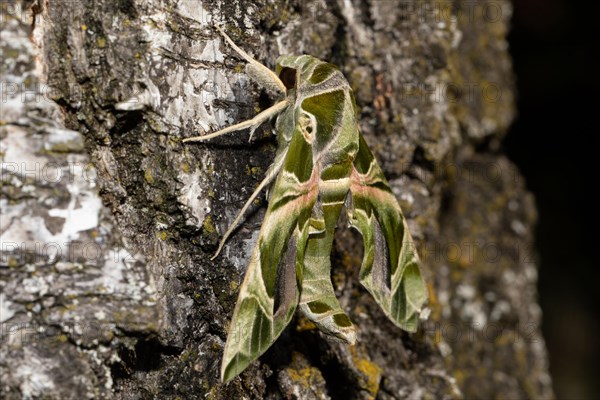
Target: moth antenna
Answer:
[[271, 175]]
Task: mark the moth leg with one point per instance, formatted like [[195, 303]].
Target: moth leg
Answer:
[[251, 123], [271, 175], [261, 74]]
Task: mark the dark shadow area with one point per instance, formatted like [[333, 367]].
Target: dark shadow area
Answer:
[[147, 355], [554, 141]]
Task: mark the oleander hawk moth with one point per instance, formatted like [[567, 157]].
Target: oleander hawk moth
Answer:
[[322, 164]]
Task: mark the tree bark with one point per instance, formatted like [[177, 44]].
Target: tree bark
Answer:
[[109, 221]]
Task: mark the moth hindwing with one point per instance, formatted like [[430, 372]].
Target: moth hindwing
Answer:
[[322, 164]]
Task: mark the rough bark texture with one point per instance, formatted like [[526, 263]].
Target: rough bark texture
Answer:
[[108, 221]]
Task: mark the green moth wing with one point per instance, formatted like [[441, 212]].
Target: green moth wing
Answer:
[[269, 294], [390, 268]]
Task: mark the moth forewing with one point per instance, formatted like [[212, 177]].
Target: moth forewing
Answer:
[[322, 164]]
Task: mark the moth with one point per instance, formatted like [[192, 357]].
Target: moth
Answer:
[[322, 165]]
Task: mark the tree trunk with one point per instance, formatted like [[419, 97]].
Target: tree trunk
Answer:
[[109, 221]]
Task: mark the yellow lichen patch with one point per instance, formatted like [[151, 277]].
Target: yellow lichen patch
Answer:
[[370, 373], [304, 324], [101, 42], [208, 226], [253, 170], [302, 373], [84, 27], [162, 235], [432, 297], [148, 176], [303, 376]]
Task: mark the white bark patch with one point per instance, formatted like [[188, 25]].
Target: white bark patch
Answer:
[[18, 156], [31, 234], [211, 51], [22, 160], [35, 381], [192, 196], [6, 312], [117, 274], [193, 9], [191, 90], [147, 96], [78, 219]]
